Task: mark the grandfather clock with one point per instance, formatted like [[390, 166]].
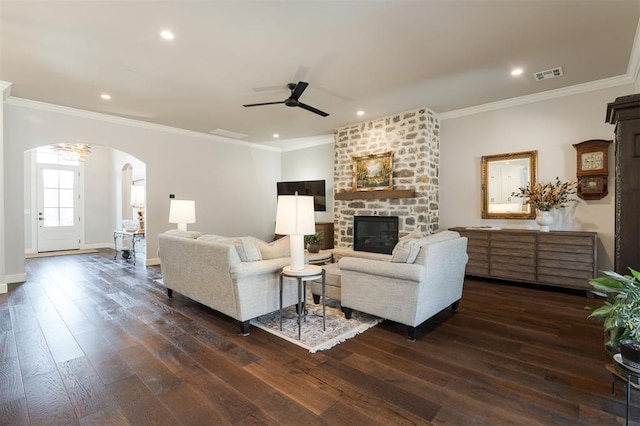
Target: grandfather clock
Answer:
[[624, 112]]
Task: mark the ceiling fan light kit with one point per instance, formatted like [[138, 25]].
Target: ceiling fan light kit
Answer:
[[293, 100]]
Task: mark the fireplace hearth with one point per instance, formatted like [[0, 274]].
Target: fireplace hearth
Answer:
[[375, 234]]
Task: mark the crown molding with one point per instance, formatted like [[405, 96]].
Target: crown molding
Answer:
[[75, 112], [539, 97]]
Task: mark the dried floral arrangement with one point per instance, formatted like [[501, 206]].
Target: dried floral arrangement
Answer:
[[546, 196]]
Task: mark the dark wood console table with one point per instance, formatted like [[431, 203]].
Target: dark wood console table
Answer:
[[557, 258]]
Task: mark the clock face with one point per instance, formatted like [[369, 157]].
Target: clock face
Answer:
[[592, 160]]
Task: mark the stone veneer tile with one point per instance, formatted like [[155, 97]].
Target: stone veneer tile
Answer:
[[414, 138]]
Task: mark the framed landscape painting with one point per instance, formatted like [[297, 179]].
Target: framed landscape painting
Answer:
[[373, 172]]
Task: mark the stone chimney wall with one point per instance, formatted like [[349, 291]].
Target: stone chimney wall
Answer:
[[414, 138]]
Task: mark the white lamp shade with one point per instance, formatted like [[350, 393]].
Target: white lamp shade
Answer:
[[182, 212], [294, 215], [137, 195]]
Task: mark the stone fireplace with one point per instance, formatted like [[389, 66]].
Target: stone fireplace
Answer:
[[414, 139]]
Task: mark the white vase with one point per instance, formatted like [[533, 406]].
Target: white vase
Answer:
[[544, 219]]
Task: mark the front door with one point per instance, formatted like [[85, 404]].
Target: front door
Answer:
[[58, 219]]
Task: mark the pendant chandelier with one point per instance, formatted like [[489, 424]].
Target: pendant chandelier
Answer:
[[72, 151]]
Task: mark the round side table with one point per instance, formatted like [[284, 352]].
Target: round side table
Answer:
[[321, 258], [308, 273]]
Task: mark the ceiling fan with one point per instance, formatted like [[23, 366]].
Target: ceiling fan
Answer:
[[292, 101]]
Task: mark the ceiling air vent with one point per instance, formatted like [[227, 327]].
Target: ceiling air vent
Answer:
[[546, 75], [228, 133]]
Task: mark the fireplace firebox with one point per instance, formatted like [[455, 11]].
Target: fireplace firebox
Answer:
[[375, 234]]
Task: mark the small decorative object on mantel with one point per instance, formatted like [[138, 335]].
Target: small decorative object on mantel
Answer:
[[373, 172], [546, 197], [592, 168]]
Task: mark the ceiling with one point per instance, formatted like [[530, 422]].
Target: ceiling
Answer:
[[381, 57]]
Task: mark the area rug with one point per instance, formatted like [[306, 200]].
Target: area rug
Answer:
[[59, 253], [313, 337]]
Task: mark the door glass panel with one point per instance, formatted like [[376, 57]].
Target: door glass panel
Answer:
[[49, 178], [66, 198], [66, 179], [66, 217], [50, 217], [50, 197], [58, 197]]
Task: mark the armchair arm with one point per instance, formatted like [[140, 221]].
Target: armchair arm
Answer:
[[401, 271]]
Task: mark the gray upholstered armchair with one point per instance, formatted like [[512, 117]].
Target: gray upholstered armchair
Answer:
[[410, 292]]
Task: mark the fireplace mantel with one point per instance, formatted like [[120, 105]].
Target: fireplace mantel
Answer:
[[375, 195]]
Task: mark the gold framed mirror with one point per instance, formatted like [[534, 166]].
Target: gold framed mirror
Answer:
[[501, 176]]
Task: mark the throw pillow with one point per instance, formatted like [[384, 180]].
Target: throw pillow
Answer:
[[246, 247], [415, 234], [406, 250], [276, 249]]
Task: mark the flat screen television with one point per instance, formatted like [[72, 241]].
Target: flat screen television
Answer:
[[316, 188]]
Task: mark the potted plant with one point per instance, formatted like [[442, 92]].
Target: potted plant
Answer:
[[620, 313], [313, 242]]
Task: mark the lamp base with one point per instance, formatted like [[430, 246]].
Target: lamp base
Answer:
[[296, 251]]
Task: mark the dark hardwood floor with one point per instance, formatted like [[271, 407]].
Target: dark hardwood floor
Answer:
[[89, 340]]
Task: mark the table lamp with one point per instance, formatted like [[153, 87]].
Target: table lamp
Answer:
[[182, 212], [294, 217]]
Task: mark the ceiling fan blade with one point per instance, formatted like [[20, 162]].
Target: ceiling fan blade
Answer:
[[263, 103], [297, 92], [312, 109]]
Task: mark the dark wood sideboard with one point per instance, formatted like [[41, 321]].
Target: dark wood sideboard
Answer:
[[557, 258]]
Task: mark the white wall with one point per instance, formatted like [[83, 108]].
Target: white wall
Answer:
[[312, 163], [99, 201], [551, 127], [233, 184]]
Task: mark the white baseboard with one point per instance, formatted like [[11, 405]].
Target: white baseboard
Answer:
[[98, 246], [16, 278], [152, 262], [4, 288]]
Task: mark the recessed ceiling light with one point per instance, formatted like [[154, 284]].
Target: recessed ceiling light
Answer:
[[360, 112], [167, 35], [275, 135], [105, 96], [516, 71]]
